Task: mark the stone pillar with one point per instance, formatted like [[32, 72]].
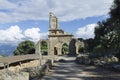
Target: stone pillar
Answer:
[[53, 23], [38, 51], [57, 23], [77, 47], [51, 47], [37, 48], [59, 51], [50, 20]]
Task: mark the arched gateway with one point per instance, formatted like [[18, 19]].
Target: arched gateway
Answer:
[[58, 37]]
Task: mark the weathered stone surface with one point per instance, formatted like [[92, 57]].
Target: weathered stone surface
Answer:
[[9, 75], [96, 62], [83, 59], [69, 70], [117, 67], [37, 72], [58, 37], [33, 71], [104, 60], [109, 59], [1, 64]]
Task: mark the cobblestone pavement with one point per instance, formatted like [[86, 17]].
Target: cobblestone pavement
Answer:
[[69, 70]]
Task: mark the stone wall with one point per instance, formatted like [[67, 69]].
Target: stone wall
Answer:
[[17, 68], [14, 73], [10, 75], [36, 73], [26, 72]]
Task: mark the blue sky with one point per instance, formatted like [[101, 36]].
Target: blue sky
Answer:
[[29, 19]]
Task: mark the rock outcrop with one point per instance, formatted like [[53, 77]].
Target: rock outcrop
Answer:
[[83, 59]]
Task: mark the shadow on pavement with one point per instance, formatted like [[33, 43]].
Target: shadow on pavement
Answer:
[[69, 70]]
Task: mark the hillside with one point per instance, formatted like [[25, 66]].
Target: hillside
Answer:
[[7, 49]]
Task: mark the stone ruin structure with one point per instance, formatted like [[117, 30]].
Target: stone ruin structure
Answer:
[[57, 37]]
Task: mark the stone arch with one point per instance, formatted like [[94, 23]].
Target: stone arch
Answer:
[[57, 37], [56, 43], [65, 48], [57, 49], [44, 47], [38, 49]]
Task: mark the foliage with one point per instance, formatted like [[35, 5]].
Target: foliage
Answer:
[[89, 45], [100, 50], [115, 10], [25, 47], [65, 48], [80, 49], [1, 56], [44, 48], [107, 33]]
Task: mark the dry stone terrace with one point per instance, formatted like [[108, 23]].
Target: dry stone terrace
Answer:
[[6, 61]]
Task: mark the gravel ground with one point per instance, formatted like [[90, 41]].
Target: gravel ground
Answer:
[[67, 69]]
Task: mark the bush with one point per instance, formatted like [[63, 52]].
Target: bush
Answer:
[[25, 47]]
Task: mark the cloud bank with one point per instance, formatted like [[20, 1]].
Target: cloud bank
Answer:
[[66, 10], [14, 34], [86, 31]]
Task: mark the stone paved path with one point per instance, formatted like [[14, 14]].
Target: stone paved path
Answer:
[[69, 70]]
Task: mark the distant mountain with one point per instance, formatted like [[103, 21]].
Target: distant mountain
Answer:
[[7, 49]]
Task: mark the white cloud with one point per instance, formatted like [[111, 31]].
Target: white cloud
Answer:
[[86, 31], [14, 35], [66, 10], [44, 35], [5, 4], [11, 34], [33, 33]]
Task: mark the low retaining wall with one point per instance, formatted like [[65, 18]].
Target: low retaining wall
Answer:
[[32, 73], [10, 75], [37, 72]]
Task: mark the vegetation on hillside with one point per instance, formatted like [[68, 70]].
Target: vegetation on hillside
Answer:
[[25, 47], [1, 56]]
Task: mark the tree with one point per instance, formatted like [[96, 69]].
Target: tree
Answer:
[[44, 48], [89, 45], [25, 47], [65, 49], [115, 10], [107, 33], [115, 18], [80, 49]]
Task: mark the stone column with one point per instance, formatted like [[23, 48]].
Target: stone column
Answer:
[[57, 23], [53, 22], [59, 50], [38, 51]]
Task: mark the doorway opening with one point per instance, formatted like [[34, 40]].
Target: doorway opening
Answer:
[[65, 49]]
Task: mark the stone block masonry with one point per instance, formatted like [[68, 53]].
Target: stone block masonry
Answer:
[[10, 75]]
